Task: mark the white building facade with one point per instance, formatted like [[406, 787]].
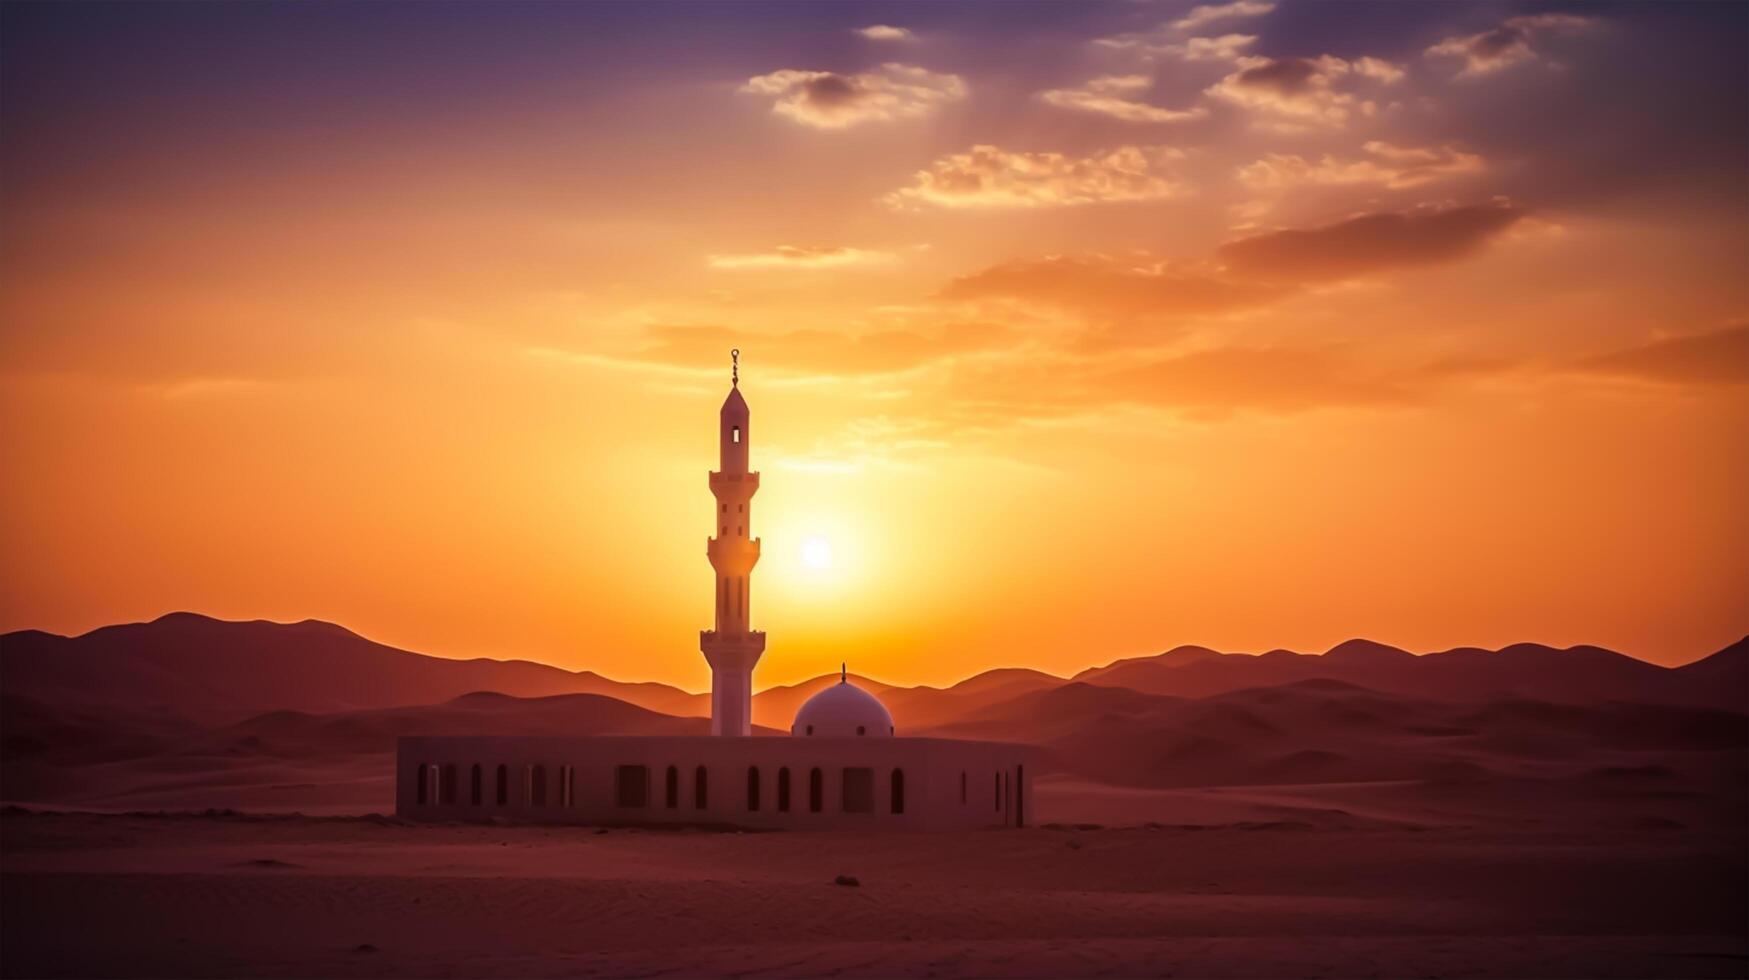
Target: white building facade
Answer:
[[842, 766]]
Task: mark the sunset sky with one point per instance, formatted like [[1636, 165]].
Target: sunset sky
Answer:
[[1071, 331]]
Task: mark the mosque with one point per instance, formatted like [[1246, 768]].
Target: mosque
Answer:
[[843, 764]]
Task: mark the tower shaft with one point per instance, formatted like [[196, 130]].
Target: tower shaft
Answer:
[[733, 647]]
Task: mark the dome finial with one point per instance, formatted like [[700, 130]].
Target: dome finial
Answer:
[[735, 367], [843, 673]]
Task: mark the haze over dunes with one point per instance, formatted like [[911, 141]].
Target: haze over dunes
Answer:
[[191, 711]]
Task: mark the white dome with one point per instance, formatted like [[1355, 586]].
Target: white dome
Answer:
[[840, 711]]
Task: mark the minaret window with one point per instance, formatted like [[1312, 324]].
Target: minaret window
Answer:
[[735, 434]]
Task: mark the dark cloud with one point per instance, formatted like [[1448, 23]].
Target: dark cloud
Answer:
[[1368, 243], [829, 100], [1284, 76], [1718, 358]]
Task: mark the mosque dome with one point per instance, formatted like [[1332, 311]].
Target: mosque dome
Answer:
[[842, 711]]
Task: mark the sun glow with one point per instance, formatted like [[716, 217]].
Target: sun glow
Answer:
[[817, 553]]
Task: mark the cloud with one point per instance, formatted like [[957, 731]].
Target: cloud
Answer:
[[1110, 95], [1507, 44], [800, 257], [1378, 69], [1387, 165], [832, 352], [989, 177], [1227, 47], [1211, 12], [1107, 287], [828, 100], [885, 32], [1717, 358], [1368, 243], [1302, 91]]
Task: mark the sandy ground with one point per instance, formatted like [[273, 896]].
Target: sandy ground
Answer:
[[120, 895]]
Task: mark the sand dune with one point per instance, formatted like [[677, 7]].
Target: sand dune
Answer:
[[1331, 731]]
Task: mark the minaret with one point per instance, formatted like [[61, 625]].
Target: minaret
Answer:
[[732, 649]]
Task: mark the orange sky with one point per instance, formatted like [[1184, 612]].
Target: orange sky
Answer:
[[1076, 332]]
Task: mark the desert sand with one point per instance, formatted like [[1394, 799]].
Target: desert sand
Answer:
[[232, 895]]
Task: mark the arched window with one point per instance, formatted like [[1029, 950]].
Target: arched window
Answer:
[[476, 786], [1019, 796], [858, 784], [671, 788], [816, 791], [783, 790], [424, 783], [700, 784], [810, 729], [446, 784], [898, 794], [503, 784], [752, 788], [537, 785], [962, 787], [997, 796], [861, 730]]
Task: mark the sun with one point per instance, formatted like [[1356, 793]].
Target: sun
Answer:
[[817, 553]]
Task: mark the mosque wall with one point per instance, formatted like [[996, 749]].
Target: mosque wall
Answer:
[[757, 782]]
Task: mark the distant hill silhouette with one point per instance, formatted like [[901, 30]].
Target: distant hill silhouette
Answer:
[[1522, 670], [213, 671], [188, 707], [184, 668]]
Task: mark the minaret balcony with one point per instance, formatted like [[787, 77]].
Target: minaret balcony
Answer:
[[750, 638], [744, 482], [742, 550]]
